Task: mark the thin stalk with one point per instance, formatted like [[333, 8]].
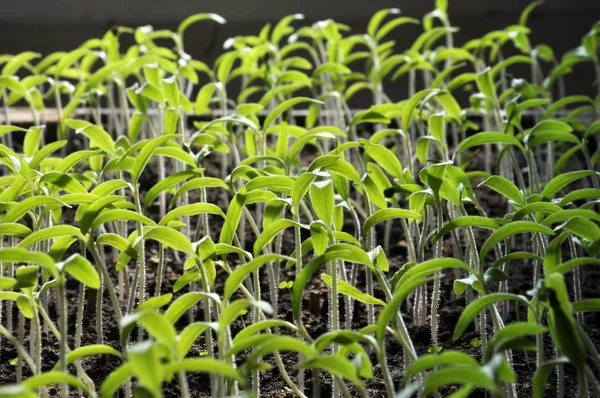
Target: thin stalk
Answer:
[[435, 297], [64, 314]]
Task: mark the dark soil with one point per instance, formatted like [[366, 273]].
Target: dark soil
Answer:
[[272, 384]]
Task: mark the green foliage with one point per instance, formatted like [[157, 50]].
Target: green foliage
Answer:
[[258, 206]]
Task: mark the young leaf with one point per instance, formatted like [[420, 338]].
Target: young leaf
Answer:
[[81, 269], [190, 210], [467, 221], [236, 278], [271, 231], [323, 201], [170, 238], [348, 290], [479, 305], [387, 214], [232, 220], [205, 365], [144, 156], [505, 188], [386, 158], [285, 106], [486, 84], [185, 302], [516, 227], [561, 181], [488, 138], [98, 137]]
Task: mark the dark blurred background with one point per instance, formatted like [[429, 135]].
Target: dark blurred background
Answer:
[[51, 25]]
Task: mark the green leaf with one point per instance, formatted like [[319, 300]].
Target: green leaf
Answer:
[[232, 220], [205, 365], [115, 379], [387, 214], [523, 59], [204, 97], [505, 188], [430, 267], [445, 358], [197, 183], [20, 255], [386, 158], [63, 181], [156, 324], [16, 391], [561, 181], [27, 276], [304, 277], [14, 229], [145, 153], [587, 305], [459, 375], [53, 377], [31, 142], [150, 91], [285, 106], [391, 25], [94, 209], [323, 200], [540, 377], [525, 13], [18, 61], [332, 68], [486, 84], [488, 138], [226, 63], [335, 165], [155, 303], [186, 23], [334, 364], [257, 327], [50, 233], [236, 278], [120, 215], [25, 306], [185, 302], [190, 210], [348, 290], [190, 334], [473, 309], [239, 307], [320, 236], [17, 211], [170, 238], [550, 131], [369, 116], [98, 137], [378, 18], [411, 105], [171, 91], [90, 350], [467, 221], [118, 242], [515, 330], [81, 269], [580, 194], [583, 228], [515, 227], [567, 214], [7, 283], [271, 231]]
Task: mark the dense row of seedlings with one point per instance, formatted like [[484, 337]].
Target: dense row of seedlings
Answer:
[[412, 173]]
